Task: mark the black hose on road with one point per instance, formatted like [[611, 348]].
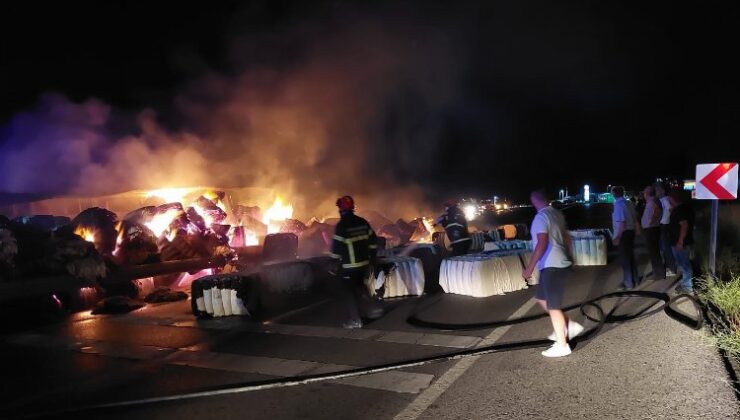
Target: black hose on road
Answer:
[[590, 309]]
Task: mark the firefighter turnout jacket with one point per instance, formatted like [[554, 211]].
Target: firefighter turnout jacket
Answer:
[[355, 244], [455, 224]]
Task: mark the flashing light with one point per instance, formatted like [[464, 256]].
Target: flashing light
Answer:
[[586, 193], [469, 211]]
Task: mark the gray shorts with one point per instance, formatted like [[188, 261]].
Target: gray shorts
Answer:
[[551, 286]]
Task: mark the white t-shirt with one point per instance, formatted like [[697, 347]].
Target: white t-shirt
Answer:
[[665, 219], [651, 206], [552, 222]]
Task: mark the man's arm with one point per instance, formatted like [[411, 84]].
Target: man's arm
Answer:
[[542, 242], [618, 233]]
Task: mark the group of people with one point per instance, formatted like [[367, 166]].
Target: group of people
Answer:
[[667, 224]]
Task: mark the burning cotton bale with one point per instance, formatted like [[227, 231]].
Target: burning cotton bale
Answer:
[[315, 240], [211, 212], [65, 253], [406, 230], [376, 220], [141, 215], [293, 226], [421, 232], [98, 226], [240, 211], [392, 235], [137, 245]]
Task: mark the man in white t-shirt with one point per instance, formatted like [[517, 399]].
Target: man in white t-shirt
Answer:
[[665, 244], [551, 244], [650, 223]]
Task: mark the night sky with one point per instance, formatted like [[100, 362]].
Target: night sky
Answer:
[[536, 93]]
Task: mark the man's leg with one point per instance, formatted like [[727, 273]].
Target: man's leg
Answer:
[[682, 259], [665, 245], [626, 258], [349, 295], [653, 242], [557, 317]]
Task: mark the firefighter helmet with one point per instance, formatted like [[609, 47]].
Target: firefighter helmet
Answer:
[[346, 203]]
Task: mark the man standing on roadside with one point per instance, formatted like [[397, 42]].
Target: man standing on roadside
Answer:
[[551, 244], [665, 219], [682, 238], [624, 223], [651, 229]]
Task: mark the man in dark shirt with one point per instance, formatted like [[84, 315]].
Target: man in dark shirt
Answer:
[[681, 236]]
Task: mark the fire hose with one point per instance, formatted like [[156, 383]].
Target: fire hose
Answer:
[[589, 309]]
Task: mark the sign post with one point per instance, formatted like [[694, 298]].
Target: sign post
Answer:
[[716, 181]]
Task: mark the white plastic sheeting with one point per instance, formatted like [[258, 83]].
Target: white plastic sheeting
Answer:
[[588, 248], [217, 298], [482, 275], [508, 245], [405, 278]]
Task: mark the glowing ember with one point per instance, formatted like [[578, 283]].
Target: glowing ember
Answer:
[[161, 222], [275, 215], [85, 233]]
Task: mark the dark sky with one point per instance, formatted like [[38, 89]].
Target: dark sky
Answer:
[[547, 93]]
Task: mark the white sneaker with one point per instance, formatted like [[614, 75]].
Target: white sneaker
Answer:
[[670, 273], [557, 351], [351, 325], [574, 329]]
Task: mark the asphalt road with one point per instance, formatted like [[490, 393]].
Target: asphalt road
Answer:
[[652, 367]]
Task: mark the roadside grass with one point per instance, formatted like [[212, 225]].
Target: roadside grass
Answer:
[[724, 295]]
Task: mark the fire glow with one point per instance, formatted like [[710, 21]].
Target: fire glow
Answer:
[[276, 215], [86, 234]]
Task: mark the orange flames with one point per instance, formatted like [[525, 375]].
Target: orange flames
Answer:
[[85, 233], [276, 215], [273, 217]]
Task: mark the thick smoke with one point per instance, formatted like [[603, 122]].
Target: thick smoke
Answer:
[[356, 110]]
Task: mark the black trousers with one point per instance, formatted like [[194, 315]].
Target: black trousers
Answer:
[[627, 258], [652, 237], [461, 248], [665, 247], [353, 291]]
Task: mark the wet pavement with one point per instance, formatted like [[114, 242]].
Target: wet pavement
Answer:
[[652, 367]]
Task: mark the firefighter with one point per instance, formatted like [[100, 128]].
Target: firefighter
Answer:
[[355, 248], [456, 226]]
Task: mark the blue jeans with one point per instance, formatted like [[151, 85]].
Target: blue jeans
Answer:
[[682, 260]]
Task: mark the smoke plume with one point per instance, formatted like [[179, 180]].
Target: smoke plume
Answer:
[[356, 110]]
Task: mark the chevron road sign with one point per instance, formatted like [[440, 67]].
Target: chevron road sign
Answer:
[[716, 181]]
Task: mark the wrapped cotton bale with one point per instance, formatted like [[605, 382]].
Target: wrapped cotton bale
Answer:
[[293, 226], [287, 277], [99, 225], [280, 247], [399, 276], [138, 245]]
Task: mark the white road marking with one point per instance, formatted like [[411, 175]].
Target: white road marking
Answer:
[[426, 398]]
